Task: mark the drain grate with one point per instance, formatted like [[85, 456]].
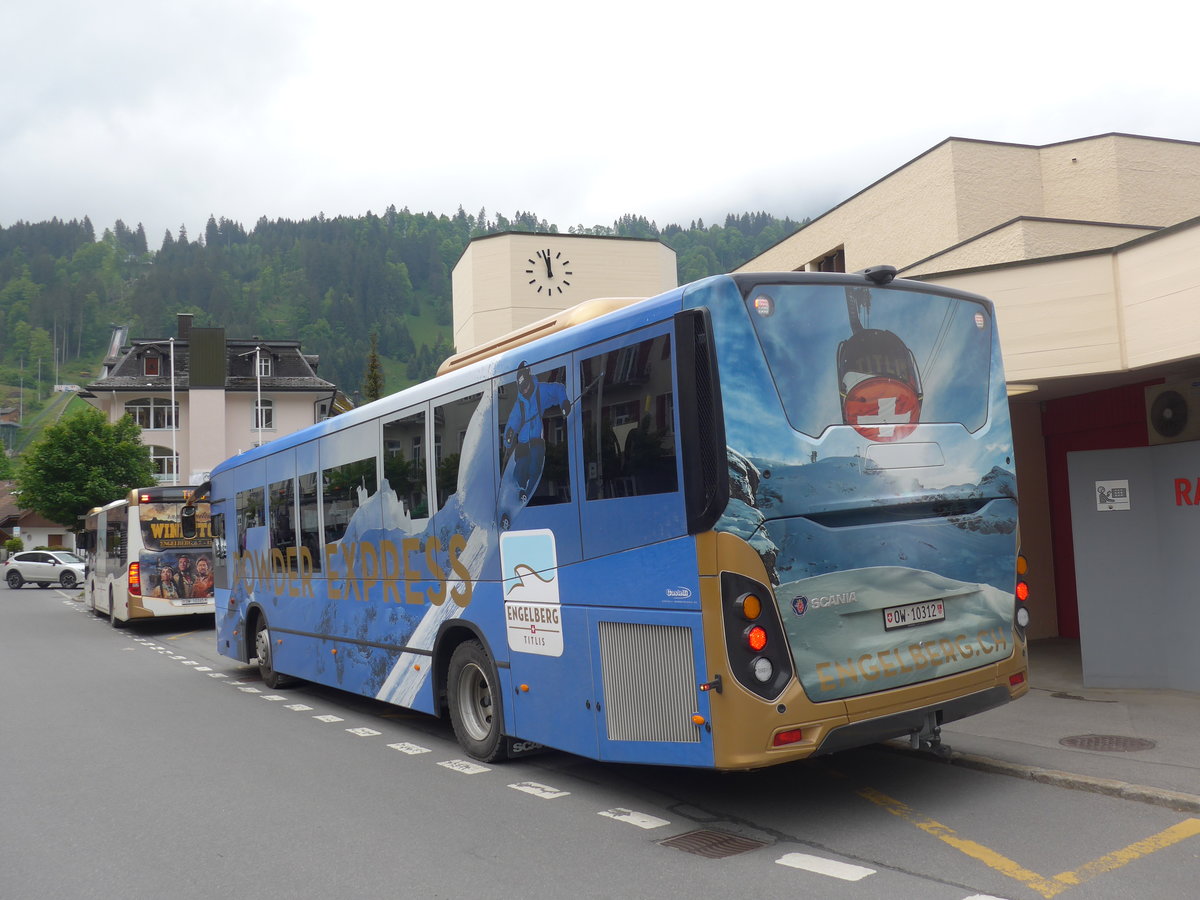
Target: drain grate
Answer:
[[1107, 742], [712, 844]]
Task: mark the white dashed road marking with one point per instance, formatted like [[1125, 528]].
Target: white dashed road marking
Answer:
[[830, 867], [641, 820], [410, 749], [539, 790], [466, 768]]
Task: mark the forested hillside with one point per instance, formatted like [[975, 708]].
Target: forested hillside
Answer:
[[330, 282]]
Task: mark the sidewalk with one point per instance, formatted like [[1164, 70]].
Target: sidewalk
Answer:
[[1023, 738]]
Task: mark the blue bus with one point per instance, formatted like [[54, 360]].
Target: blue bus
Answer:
[[756, 518]]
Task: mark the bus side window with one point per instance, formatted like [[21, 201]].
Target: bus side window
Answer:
[[404, 464], [282, 514], [450, 421], [251, 509], [220, 560], [342, 489], [310, 529], [628, 413]]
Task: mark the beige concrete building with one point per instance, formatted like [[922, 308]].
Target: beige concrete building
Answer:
[[1089, 249], [504, 282]]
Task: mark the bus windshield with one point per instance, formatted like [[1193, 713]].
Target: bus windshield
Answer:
[[879, 359]]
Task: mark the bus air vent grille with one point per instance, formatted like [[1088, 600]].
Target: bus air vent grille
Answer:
[[649, 682]]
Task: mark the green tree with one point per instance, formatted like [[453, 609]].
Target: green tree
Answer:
[[373, 380], [82, 462]]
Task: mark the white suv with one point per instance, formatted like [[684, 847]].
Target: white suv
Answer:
[[43, 568]]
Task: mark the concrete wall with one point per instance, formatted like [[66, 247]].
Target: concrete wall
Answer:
[[1106, 312], [1025, 239], [1137, 569]]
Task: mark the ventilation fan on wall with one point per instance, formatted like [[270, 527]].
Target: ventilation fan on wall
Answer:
[[1173, 412]]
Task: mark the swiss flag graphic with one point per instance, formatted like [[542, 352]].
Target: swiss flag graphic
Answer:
[[882, 409]]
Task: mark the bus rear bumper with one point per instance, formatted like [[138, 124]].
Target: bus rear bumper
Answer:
[[911, 721]]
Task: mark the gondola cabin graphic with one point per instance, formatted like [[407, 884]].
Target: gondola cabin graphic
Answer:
[[878, 378]]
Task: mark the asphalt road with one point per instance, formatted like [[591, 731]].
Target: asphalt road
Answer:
[[139, 763]]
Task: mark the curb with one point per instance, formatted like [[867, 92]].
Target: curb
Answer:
[[1176, 800]]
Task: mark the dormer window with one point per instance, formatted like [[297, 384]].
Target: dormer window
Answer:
[[150, 364], [264, 365]]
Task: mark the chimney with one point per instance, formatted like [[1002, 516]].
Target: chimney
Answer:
[[185, 326]]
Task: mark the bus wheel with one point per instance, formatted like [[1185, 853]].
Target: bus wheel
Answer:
[[473, 691], [112, 615], [262, 650]]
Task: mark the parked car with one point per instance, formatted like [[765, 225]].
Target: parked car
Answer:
[[43, 568]]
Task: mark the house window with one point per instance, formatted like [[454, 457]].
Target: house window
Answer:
[[150, 364], [264, 365], [834, 261], [153, 413], [166, 464], [264, 415]]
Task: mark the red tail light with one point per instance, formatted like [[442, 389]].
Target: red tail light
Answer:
[[788, 737], [756, 638], [135, 578]]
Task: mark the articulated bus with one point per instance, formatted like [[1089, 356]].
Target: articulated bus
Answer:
[[140, 564], [750, 520]]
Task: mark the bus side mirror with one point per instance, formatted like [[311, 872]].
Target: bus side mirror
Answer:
[[187, 518]]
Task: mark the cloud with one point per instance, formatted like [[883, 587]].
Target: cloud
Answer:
[[163, 113]]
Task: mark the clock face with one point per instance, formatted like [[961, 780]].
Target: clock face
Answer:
[[549, 271]]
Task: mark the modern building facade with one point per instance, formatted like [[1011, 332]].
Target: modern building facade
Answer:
[[201, 398], [1089, 250]]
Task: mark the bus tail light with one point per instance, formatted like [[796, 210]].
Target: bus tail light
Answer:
[[759, 657], [756, 638], [783, 738], [135, 578], [1021, 593]]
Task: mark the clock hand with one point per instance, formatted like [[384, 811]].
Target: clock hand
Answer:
[[549, 271]]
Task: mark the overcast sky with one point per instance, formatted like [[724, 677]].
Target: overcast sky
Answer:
[[166, 111]]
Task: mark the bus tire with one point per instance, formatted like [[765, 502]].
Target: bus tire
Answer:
[[112, 614], [476, 710], [262, 651]]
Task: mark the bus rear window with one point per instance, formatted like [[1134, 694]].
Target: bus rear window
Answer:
[[162, 525], [878, 359]]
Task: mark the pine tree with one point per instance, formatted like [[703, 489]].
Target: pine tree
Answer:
[[373, 387]]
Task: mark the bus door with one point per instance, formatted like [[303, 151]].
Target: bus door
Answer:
[[640, 567], [537, 515]]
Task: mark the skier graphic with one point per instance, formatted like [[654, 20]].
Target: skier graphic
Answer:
[[524, 433], [524, 436]]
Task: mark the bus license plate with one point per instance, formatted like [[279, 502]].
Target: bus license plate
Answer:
[[913, 614]]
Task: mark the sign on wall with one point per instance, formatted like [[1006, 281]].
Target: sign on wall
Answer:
[[1112, 495]]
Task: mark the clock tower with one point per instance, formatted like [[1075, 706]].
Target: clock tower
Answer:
[[506, 281]]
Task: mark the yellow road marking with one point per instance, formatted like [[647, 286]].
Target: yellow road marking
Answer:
[[177, 636], [1047, 887], [1173, 835]]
